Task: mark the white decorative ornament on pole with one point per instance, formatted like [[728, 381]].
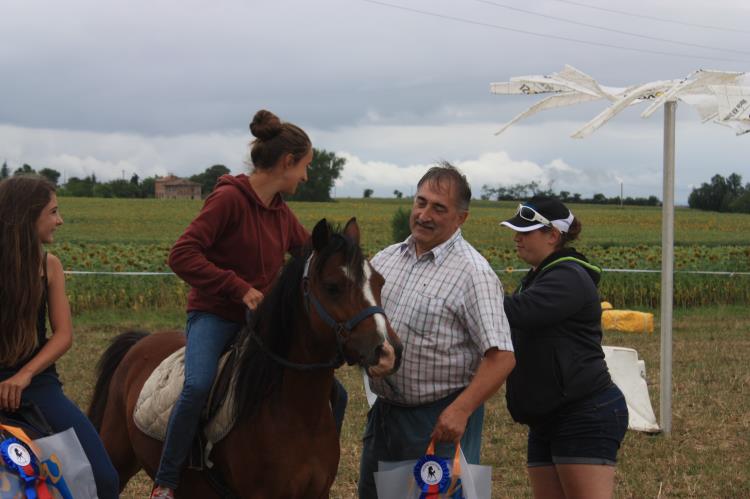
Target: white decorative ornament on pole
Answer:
[[722, 97]]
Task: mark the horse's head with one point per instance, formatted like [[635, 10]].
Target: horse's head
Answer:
[[343, 292]]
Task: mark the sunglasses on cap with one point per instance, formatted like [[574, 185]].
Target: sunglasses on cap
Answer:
[[531, 215]]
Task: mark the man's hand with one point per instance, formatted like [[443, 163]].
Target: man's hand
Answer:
[[11, 389], [491, 374], [451, 424], [252, 298]]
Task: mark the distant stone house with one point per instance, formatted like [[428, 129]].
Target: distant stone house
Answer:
[[171, 187]]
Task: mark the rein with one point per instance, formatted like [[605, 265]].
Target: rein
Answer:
[[341, 329]]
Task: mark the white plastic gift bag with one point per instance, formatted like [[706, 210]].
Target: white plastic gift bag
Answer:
[[398, 480], [53, 467], [67, 468]]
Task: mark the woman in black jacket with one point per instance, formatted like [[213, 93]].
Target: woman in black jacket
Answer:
[[561, 387]]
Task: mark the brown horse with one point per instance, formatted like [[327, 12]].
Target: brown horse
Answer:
[[324, 310]]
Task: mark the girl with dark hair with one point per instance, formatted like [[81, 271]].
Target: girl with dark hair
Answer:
[[561, 387], [32, 288], [230, 255]]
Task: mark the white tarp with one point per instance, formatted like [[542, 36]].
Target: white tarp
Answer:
[[629, 374]]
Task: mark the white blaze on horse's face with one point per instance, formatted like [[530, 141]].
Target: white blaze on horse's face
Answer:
[[380, 324]]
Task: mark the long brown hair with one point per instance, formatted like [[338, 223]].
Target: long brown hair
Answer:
[[22, 199]]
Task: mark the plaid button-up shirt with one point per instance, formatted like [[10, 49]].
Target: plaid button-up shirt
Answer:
[[447, 308]]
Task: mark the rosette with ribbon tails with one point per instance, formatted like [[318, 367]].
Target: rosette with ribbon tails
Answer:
[[21, 460], [433, 475]]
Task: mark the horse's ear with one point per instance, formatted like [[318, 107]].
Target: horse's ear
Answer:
[[321, 234], [351, 230]]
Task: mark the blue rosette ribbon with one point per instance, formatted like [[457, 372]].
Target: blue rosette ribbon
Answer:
[[19, 459], [433, 476]]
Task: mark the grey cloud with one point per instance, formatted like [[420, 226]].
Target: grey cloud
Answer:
[[382, 84]]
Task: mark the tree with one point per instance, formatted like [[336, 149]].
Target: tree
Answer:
[[742, 203], [488, 193], [24, 170], [398, 194], [599, 198], [134, 179], [515, 191], [5, 171], [734, 183], [717, 195], [148, 187], [208, 178], [400, 228], [102, 191], [367, 193], [324, 169], [79, 187], [652, 201], [122, 188], [51, 175]]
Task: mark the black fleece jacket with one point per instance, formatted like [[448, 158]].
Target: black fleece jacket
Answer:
[[555, 320]]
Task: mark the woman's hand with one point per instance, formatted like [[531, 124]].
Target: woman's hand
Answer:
[[252, 298], [11, 389]]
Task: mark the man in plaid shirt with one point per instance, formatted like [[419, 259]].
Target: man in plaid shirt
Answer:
[[446, 304]]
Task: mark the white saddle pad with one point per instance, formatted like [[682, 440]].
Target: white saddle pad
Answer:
[[159, 395]]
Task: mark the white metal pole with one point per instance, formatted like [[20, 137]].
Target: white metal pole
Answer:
[[667, 268]]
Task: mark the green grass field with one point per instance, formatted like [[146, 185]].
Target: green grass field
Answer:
[[99, 220], [705, 456]]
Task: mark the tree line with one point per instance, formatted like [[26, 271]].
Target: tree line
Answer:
[[722, 194], [324, 169], [522, 191]]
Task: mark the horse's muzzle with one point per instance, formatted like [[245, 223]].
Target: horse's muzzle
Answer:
[[385, 360]]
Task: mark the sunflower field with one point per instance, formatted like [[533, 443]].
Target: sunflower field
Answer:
[[104, 238]]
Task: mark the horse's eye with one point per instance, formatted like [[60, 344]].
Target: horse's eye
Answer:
[[332, 289]]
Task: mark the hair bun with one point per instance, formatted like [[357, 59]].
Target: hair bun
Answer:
[[265, 125]]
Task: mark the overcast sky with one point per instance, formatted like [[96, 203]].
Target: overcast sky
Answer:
[[156, 87]]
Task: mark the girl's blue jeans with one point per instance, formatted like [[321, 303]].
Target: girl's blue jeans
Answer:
[[207, 337]]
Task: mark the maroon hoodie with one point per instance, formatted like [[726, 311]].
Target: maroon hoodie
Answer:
[[235, 242]]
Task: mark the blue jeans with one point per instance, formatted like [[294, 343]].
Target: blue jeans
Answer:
[[207, 337], [396, 433], [46, 392]]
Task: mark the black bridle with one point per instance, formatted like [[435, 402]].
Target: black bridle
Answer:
[[341, 329]]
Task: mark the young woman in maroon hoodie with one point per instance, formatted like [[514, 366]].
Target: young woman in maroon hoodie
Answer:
[[230, 254]]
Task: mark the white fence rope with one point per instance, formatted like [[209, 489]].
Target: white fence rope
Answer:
[[645, 271], [97, 272], [498, 271]]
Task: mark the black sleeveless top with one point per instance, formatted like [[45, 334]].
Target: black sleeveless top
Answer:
[[41, 331]]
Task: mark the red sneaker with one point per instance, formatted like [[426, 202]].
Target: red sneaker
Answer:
[[160, 492]]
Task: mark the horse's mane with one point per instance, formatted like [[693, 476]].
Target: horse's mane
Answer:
[[276, 321]]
